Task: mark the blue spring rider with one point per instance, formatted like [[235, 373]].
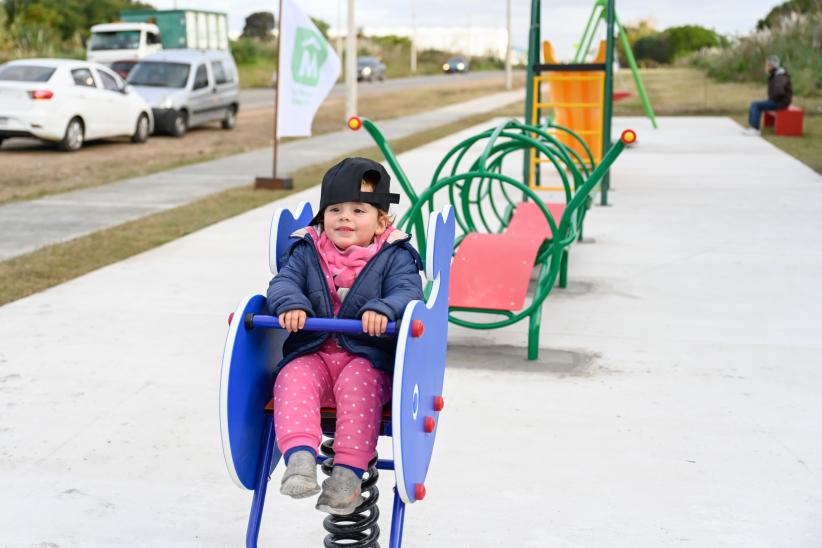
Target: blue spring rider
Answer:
[[254, 346]]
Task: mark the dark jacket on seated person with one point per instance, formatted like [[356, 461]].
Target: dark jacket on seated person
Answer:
[[780, 90], [386, 284]]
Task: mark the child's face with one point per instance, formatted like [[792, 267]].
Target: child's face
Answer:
[[352, 223]]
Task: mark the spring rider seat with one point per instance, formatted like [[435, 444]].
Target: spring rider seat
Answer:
[[254, 346]]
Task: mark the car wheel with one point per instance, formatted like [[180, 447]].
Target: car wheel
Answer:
[[230, 120], [1, 141], [140, 130], [180, 125], [73, 138]]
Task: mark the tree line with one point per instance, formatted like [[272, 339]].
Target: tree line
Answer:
[[67, 19]]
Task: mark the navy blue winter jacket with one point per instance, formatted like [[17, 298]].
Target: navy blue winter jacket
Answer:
[[386, 284]]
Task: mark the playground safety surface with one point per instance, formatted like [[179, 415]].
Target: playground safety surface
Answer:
[[694, 419]]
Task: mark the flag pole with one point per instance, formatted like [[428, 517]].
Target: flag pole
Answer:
[[274, 182]]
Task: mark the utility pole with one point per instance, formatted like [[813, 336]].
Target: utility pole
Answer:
[[339, 30], [508, 77], [413, 36], [351, 64]]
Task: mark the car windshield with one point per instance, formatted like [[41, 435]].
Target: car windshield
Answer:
[[365, 61], [26, 73], [159, 74], [123, 67], [455, 60], [124, 39]]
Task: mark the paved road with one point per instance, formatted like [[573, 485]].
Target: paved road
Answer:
[[263, 97]]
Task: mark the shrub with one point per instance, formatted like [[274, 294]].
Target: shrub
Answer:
[[786, 9], [690, 38], [796, 39], [672, 43], [248, 51], [656, 48]]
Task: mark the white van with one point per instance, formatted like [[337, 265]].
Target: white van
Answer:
[[111, 42], [188, 87]]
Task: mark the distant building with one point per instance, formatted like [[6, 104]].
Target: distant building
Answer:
[[471, 41]]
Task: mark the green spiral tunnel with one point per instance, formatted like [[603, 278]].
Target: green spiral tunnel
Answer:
[[472, 179]]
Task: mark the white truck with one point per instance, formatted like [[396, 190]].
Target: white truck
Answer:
[[143, 32], [111, 42]]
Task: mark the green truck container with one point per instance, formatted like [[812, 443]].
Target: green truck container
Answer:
[[194, 29]]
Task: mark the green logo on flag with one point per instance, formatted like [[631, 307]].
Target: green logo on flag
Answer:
[[310, 52]]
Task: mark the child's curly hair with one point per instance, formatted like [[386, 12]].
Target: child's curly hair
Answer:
[[381, 214]]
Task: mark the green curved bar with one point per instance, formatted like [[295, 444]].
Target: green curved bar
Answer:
[[382, 144], [582, 143], [473, 190]]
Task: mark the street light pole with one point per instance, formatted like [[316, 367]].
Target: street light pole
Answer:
[[339, 29], [508, 77], [351, 64], [413, 36]]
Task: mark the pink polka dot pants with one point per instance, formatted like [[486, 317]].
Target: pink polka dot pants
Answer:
[[331, 377]]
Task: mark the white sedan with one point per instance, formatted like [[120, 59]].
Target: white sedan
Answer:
[[69, 102]]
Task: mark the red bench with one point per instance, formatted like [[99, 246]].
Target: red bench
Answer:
[[787, 122], [501, 283]]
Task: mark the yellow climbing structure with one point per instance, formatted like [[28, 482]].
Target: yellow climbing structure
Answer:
[[576, 98]]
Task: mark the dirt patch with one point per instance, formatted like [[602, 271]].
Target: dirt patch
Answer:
[[32, 169], [57, 263]]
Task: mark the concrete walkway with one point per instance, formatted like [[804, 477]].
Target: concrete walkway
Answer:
[[676, 401], [28, 225]]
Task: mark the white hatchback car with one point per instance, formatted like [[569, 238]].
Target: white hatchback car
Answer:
[[69, 102]]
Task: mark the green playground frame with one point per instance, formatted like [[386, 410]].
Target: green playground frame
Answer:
[[599, 14], [470, 179], [604, 11]]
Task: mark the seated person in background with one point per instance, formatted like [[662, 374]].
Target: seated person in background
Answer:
[[780, 94]]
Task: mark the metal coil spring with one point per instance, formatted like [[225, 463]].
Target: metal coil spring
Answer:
[[358, 529]]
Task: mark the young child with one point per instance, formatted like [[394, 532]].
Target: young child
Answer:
[[351, 263]]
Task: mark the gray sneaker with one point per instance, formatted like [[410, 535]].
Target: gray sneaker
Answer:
[[341, 492], [300, 477]]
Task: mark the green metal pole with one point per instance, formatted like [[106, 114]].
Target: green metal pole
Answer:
[[640, 86], [587, 35], [609, 95], [534, 35], [590, 45]]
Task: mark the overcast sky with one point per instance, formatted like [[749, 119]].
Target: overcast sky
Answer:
[[562, 20]]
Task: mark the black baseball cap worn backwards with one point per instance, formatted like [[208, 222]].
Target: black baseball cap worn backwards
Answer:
[[342, 183]]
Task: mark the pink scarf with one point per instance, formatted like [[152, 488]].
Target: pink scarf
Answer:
[[342, 267]]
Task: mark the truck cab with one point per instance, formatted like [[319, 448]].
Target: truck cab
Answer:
[[111, 42]]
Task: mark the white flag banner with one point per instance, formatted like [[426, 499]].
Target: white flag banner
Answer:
[[308, 69]]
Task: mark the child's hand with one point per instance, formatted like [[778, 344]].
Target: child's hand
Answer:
[[374, 323], [293, 320]]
